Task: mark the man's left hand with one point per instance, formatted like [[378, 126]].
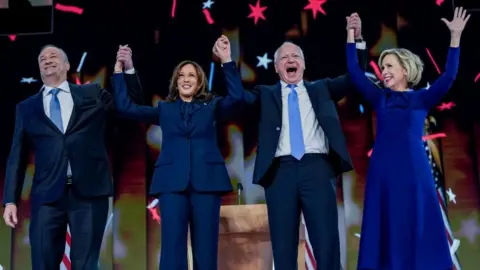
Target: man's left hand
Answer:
[[354, 22], [124, 55]]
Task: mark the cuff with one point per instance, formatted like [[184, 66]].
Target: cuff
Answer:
[[361, 45], [229, 65], [130, 71]]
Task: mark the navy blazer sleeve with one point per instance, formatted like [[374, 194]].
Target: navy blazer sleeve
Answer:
[[339, 86], [17, 162], [126, 108], [235, 86], [134, 89]]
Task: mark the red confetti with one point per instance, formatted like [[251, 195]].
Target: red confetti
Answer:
[[376, 69], [315, 6], [208, 17], [174, 7], [256, 12], [424, 138], [433, 60], [446, 106], [154, 213], [476, 77], [12, 37], [78, 82], [71, 9], [439, 2]]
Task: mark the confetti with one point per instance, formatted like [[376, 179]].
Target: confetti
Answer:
[[80, 65], [174, 7], [315, 6], [451, 196], [12, 37], [208, 17], [28, 80], [376, 69], [446, 106], [208, 4], [153, 204], [439, 2], [210, 76], [360, 107], [264, 61], [153, 210], [476, 77], [433, 61], [71, 9], [256, 12], [78, 82], [424, 138]]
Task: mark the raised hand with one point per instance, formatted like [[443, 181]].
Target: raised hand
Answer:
[[457, 24], [222, 50], [354, 22], [124, 54]]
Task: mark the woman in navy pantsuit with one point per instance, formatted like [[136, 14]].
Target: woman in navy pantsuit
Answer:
[[190, 174], [402, 227]]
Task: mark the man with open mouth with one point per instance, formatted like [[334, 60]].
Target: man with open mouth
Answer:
[[301, 149]]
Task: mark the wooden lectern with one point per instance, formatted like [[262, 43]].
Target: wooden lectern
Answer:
[[244, 241]]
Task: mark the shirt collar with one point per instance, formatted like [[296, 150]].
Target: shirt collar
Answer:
[[63, 86], [300, 86]]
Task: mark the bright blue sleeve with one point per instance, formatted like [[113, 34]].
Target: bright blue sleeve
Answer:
[[126, 108], [368, 90], [432, 96]]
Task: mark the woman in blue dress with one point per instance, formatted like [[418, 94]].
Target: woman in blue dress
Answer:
[[402, 226]]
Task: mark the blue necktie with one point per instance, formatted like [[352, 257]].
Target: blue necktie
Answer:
[[55, 111], [296, 136]]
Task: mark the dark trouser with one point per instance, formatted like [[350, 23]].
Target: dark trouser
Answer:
[[202, 212], [86, 217], [306, 186]]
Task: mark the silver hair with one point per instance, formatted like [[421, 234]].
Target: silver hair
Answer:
[[64, 54], [300, 51]]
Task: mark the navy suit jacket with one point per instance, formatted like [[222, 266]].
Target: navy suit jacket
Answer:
[[324, 94], [190, 152], [82, 144]]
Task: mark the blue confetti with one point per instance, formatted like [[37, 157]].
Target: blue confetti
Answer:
[[361, 108], [210, 77]]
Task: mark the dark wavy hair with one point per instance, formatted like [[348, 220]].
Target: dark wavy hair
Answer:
[[202, 93]]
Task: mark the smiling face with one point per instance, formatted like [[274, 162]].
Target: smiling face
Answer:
[[187, 82], [53, 65], [289, 63], [393, 73]]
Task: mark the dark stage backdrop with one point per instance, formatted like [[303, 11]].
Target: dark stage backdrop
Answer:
[[162, 33]]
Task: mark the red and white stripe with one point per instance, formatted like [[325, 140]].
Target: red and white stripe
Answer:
[[452, 242], [66, 264], [310, 263]]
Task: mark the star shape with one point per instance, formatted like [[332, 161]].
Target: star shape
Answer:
[[451, 196], [256, 12], [469, 229], [208, 4], [264, 61], [315, 6], [28, 80]]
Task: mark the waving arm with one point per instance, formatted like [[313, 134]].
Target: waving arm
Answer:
[[439, 88]]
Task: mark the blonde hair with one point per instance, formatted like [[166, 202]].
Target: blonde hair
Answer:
[[409, 61]]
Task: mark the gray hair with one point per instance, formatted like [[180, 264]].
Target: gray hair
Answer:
[[64, 54], [409, 61], [300, 51]]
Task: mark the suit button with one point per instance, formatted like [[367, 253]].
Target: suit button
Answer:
[[278, 128]]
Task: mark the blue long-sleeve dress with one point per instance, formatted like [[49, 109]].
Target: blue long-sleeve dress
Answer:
[[402, 226]]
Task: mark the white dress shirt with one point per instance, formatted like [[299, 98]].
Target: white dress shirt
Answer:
[[314, 138]]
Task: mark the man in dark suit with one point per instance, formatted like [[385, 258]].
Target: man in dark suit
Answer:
[[301, 148], [64, 125]]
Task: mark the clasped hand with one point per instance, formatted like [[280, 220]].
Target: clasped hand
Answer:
[[222, 49]]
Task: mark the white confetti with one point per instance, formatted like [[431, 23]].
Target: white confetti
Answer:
[[29, 81], [153, 204], [208, 4], [80, 65], [264, 61]]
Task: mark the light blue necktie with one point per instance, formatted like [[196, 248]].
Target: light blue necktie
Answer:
[[296, 136], [55, 110]]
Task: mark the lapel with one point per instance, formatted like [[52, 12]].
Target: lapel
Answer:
[[39, 110], [276, 91], [312, 95], [77, 98]]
